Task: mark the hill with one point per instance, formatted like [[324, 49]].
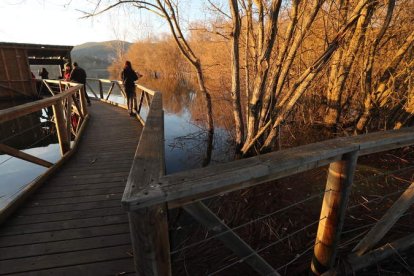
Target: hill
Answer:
[[95, 57]]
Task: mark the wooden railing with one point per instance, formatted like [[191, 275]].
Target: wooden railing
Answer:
[[143, 94], [70, 115], [149, 193]]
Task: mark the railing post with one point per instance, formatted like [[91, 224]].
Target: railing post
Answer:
[[68, 117], [100, 89], [82, 97], [140, 102], [338, 186], [61, 128], [150, 240]]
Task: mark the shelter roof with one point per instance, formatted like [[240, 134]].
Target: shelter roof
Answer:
[[40, 50]]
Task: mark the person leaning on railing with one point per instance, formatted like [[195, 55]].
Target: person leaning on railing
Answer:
[[129, 77], [79, 75]]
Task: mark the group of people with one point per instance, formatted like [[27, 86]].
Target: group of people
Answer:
[[77, 74]]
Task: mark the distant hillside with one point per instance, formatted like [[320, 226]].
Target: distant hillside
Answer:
[[95, 57]]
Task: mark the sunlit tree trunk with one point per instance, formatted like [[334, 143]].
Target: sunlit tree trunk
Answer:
[[285, 105], [379, 95], [369, 65], [235, 78], [266, 38], [341, 68]]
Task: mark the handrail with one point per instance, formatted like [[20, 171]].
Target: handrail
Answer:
[[24, 109], [192, 185], [143, 88]]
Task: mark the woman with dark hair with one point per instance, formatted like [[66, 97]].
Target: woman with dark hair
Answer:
[[129, 77]]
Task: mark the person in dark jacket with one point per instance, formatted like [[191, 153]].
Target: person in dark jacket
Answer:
[[79, 75], [44, 74], [129, 77]]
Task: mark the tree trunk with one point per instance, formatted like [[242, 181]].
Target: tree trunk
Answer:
[[235, 78], [339, 78], [379, 96]]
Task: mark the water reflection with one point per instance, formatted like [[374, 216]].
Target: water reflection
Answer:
[[34, 134], [188, 144]]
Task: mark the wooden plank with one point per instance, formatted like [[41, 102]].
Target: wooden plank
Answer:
[[112, 267], [79, 193], [48, 87], [148, 162], [82, 98], [193, 185], [355, 263], [24, 156], [64, 142], [124, 106], [75, 177], [110, 90], [68, 117], [91, 89], [63, 216], [75, 101], [35, 209], [66, 225], [121, 88], [64, 259], [230, 239], [149, 226], [120, 168], [140, 101], [64, 235], [100, 89], [76, 200], [147, 90], [386, 222], [334, 204], [39, 249]]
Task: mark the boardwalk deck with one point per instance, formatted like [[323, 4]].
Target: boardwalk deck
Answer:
[[74, 224]]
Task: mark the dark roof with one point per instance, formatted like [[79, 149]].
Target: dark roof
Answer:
[[40, 50]]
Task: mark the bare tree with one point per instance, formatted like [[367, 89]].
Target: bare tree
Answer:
[[168, 10]]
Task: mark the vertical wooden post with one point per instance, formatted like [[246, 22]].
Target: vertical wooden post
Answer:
[[83, 100], [68, 117], [140, 101], [100, 89], [150, 240], [332, 216], [64, 142], [110, 90]]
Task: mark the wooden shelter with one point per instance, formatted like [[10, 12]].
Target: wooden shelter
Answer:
[[16, 79]]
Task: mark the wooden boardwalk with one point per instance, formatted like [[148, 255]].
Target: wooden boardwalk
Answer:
[[74, 224]]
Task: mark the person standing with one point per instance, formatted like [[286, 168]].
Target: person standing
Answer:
[[79, 75], [66, 72], [129, 77], [44, 74]]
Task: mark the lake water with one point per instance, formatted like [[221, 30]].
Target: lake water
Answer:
[[186, 141]]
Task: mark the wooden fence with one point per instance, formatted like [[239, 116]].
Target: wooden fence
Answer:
[[70, 116], [149, 193]]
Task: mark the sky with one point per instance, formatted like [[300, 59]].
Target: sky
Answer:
[[59, 22]]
